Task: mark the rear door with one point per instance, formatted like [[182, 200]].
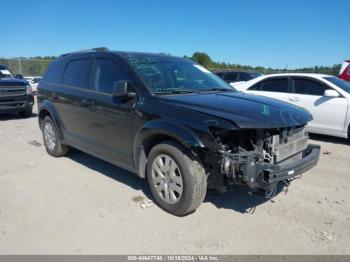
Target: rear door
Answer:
[[70, 100], [328, 112], [275, 87]]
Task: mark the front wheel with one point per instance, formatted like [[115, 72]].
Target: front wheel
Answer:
[[176, 178]]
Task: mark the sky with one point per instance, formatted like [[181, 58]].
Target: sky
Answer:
[[270, 33]]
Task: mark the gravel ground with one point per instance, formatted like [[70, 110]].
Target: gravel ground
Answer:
[[81, 205]]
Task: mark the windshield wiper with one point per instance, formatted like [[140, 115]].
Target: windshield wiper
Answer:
[[175, 92], [218, 89]]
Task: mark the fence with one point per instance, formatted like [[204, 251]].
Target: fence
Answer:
[[37, 67], [26, 67]]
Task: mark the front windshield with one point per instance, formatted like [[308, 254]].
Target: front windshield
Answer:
[[339, 83], [4, 72], [166, 74]]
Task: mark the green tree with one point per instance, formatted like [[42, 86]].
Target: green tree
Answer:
[[202, 59]]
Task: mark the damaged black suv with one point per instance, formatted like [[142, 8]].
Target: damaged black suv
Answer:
[[173, 122]]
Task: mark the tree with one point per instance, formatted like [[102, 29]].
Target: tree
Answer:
[[202, 59]]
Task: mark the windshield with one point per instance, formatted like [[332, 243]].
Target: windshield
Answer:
[[165, 74], [339, 83], [4, 72]]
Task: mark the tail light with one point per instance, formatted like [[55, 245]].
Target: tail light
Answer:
[[29, 90]]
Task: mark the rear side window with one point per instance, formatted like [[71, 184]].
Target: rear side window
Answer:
[[77, 73], [309, 87], [272, 85], [53, 72], [107, 72], [231, 77]]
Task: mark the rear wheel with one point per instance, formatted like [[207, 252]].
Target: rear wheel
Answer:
[[51, 139], [176, 178]]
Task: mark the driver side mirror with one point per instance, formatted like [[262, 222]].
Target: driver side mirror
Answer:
[[124, 89], [19, 76], [331, 93]]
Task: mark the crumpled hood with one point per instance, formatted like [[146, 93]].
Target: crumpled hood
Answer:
[[245, 110]]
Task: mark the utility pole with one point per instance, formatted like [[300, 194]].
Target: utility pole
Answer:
[[20, 65]]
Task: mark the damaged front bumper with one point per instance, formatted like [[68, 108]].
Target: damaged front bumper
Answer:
[[262, 177], [274, 173]]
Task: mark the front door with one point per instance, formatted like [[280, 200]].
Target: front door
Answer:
[[328, 112], [110, 119]]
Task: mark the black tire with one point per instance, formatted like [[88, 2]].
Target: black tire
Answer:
[[26, 114], [193, 178], [57, 150]]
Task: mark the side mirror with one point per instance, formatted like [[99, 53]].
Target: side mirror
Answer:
[[331, 93], [19, 76], [124, 89]]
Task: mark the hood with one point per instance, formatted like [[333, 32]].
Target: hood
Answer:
[[9, 81], [245, 110]]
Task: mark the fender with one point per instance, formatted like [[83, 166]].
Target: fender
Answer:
[[49, 107], [162, 127]]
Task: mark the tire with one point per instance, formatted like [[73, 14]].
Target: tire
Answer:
[[26, 114], [188, 171], [51, 139]]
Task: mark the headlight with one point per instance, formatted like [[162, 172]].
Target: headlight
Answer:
[[29, 90]]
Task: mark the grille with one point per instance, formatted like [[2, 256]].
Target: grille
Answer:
[[12, 91]]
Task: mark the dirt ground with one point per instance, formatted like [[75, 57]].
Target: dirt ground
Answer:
[[81, 205]]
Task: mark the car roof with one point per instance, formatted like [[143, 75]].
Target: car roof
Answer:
[[314, 75], [120, 53]]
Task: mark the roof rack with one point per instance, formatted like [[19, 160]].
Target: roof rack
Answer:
[[96, 49]]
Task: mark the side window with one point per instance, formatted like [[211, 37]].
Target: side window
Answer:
[[53, 72], [77, 73], [244, 77], [107, 72], [256, 87], [231, 77], [308, 87], [221, 75], [275, 85]]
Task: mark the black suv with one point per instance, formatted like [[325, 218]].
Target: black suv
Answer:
[[15, 94], [173, 122]]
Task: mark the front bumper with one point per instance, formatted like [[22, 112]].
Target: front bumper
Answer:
[[16, 105], [280, 172], [262, 177]]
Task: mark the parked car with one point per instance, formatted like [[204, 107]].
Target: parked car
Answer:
[[15, 94], [173, 122], [235, 78], [345, 71], [33, 81], [326, 97]]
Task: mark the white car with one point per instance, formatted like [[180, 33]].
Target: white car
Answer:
[[33, 81], [326, 97]]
